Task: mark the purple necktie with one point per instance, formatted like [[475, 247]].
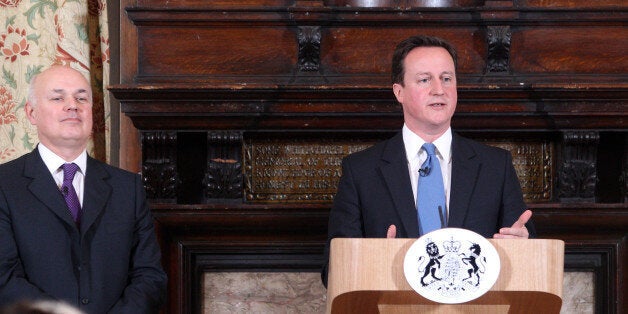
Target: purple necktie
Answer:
[[69, 194]]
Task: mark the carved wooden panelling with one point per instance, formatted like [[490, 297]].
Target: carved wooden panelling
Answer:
[[344, 49], [192, 51], [214, 3], [227, 44], [540, 50]]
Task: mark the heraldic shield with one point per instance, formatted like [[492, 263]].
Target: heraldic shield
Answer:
[[451, 265]]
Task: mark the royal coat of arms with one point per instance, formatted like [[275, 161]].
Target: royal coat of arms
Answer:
[[451, 265]]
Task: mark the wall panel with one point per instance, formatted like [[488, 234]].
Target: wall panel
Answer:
[[585, 50], [216, 51]]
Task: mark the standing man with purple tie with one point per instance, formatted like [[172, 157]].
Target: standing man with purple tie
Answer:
[[426, 176], [73, 228]]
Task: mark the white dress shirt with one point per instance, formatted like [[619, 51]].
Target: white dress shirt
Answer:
[[416, 156], [54, 163]]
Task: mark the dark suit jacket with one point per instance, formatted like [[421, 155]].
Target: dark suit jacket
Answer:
[[111, 265], [374, 192]]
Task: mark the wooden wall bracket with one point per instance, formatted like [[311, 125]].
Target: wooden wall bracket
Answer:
[[577, 174], [159, 165]]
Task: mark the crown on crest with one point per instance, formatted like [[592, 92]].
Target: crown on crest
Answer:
[[451, 246]]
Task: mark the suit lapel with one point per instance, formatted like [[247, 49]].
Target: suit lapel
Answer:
[[464, 172], [394, 169], [44, 187], [96, 193]]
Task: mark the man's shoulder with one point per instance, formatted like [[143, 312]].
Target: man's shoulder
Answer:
[[15, 164]]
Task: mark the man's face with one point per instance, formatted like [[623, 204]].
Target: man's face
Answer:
[[428, 95], [63, 108]]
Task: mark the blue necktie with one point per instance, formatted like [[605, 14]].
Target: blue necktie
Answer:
[[431, 201]]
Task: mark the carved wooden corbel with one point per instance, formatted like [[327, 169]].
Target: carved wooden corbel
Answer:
[[159, 166], [223, 175], [309, 39], [498, 40], [577, 176]]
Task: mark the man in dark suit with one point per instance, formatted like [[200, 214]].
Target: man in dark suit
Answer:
[[101, 258], [376, 195]]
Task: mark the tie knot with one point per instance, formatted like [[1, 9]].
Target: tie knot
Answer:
[[69, 170], [430, 149]]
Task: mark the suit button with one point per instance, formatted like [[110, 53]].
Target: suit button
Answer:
[[85, 300]]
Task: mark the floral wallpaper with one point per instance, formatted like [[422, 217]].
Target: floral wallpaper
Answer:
[[35, 34]]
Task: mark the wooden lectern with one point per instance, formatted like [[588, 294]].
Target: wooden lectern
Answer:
[[367, 276]]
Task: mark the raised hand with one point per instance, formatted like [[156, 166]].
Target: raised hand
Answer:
[[392, 232], [518, 230]]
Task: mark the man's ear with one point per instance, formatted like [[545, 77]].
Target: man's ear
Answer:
[[397, 90], [30, 113]]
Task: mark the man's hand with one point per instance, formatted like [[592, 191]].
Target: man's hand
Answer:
[[392, 232], [518, 229]]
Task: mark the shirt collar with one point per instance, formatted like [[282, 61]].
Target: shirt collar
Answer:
[[413, 143], [53, 161]]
